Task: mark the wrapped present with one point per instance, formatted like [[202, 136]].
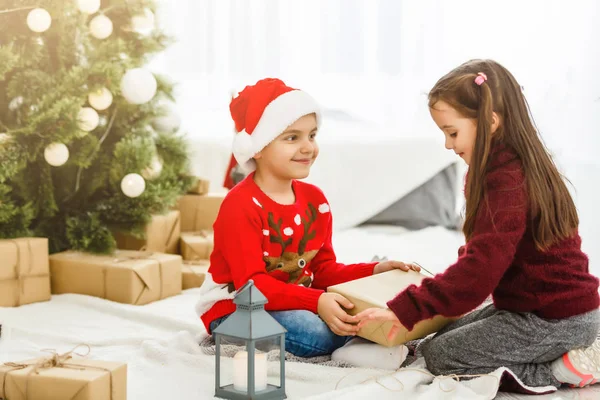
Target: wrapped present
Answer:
[[196, 245], [162, 235], [130, 277], [193, 273], [62, 377], [24, 271], [200, 187], [199, 212], [376, 291]]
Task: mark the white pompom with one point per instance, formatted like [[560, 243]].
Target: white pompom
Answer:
[[87, 119], [39, 20], [133, 185], [138, 86], [243, 147], [100, 99], [56, 154], [101, 27]]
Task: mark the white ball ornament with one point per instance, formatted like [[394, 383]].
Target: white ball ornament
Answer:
[[100, 99], [15, 103], [133, 185], [154, 169], [88, 6], [87, 119], [144, 23], [56, 154], [39, 20], [101, 27], [138, 86], [170, 121]]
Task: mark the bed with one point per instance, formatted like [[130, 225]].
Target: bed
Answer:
[[159, 341], [364, 171]]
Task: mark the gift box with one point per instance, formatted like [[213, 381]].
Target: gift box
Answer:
[[197, 245], [199, 212], [24, 271], [374, 292], [199, 187], [63, 378], [162, 235], [129, 277], [194, 273]]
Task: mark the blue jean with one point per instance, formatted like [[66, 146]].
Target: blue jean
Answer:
[[307, 335]]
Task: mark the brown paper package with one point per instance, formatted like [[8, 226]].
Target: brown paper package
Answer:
[[193, 274], [199, 212], [196, 245], [376, 291], [162, 235], [77, 379], [129, 277], [200, 187], [24, 271]]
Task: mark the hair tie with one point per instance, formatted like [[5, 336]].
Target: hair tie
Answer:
[[480, 78]]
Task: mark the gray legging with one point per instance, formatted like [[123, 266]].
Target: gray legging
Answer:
[[487, 339]]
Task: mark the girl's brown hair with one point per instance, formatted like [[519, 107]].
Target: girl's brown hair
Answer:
[[551, 207]]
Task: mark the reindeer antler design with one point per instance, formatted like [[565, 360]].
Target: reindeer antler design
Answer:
[[311, 216], [277, 228]]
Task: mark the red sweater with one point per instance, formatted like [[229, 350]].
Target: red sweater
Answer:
[[285, 249], [501, 259]]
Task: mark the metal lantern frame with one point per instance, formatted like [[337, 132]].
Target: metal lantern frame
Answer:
[[250, 323]]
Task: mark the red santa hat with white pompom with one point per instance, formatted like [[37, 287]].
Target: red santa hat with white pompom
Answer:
[[262, 112]]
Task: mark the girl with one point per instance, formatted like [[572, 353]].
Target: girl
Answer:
[[522, 247]]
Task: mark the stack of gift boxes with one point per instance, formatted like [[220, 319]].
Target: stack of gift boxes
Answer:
[[173, 255]]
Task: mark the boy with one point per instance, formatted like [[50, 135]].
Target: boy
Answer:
[[276, 230]]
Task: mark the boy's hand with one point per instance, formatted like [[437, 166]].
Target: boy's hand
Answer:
[[385, 266], [379, 314], [330, 310]]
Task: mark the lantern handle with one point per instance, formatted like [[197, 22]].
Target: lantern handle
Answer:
[[250, 282]]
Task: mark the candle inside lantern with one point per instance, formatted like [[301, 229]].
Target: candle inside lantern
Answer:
[[240, 371]]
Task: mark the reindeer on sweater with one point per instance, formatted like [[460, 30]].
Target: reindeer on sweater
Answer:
[[293, 263]]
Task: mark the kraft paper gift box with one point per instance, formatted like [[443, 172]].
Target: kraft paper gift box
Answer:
[[375, 291], [24, 271], [200, 187], [162, 235], [53, 378], [196, 245], [194, 273], [129, 277], [199, 212]]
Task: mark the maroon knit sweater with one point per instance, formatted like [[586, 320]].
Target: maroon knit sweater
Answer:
[[501, 259]]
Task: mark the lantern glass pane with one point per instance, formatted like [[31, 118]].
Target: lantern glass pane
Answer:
[[226, 361]]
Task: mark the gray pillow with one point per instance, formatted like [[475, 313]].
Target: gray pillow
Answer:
[[431, 204]]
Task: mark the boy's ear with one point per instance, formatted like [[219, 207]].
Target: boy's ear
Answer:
[[258, 155], [495, 122]]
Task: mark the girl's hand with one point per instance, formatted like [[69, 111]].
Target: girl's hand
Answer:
[[385, 266], [379, 314]]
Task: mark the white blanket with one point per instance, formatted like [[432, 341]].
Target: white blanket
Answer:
[[159, 344], [159, 341]]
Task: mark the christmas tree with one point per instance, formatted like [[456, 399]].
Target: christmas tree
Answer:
[[87, 144]]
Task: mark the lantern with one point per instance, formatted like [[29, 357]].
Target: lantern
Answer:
[[251, 326]]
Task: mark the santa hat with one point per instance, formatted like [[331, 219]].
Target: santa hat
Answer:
[[261, 113]]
